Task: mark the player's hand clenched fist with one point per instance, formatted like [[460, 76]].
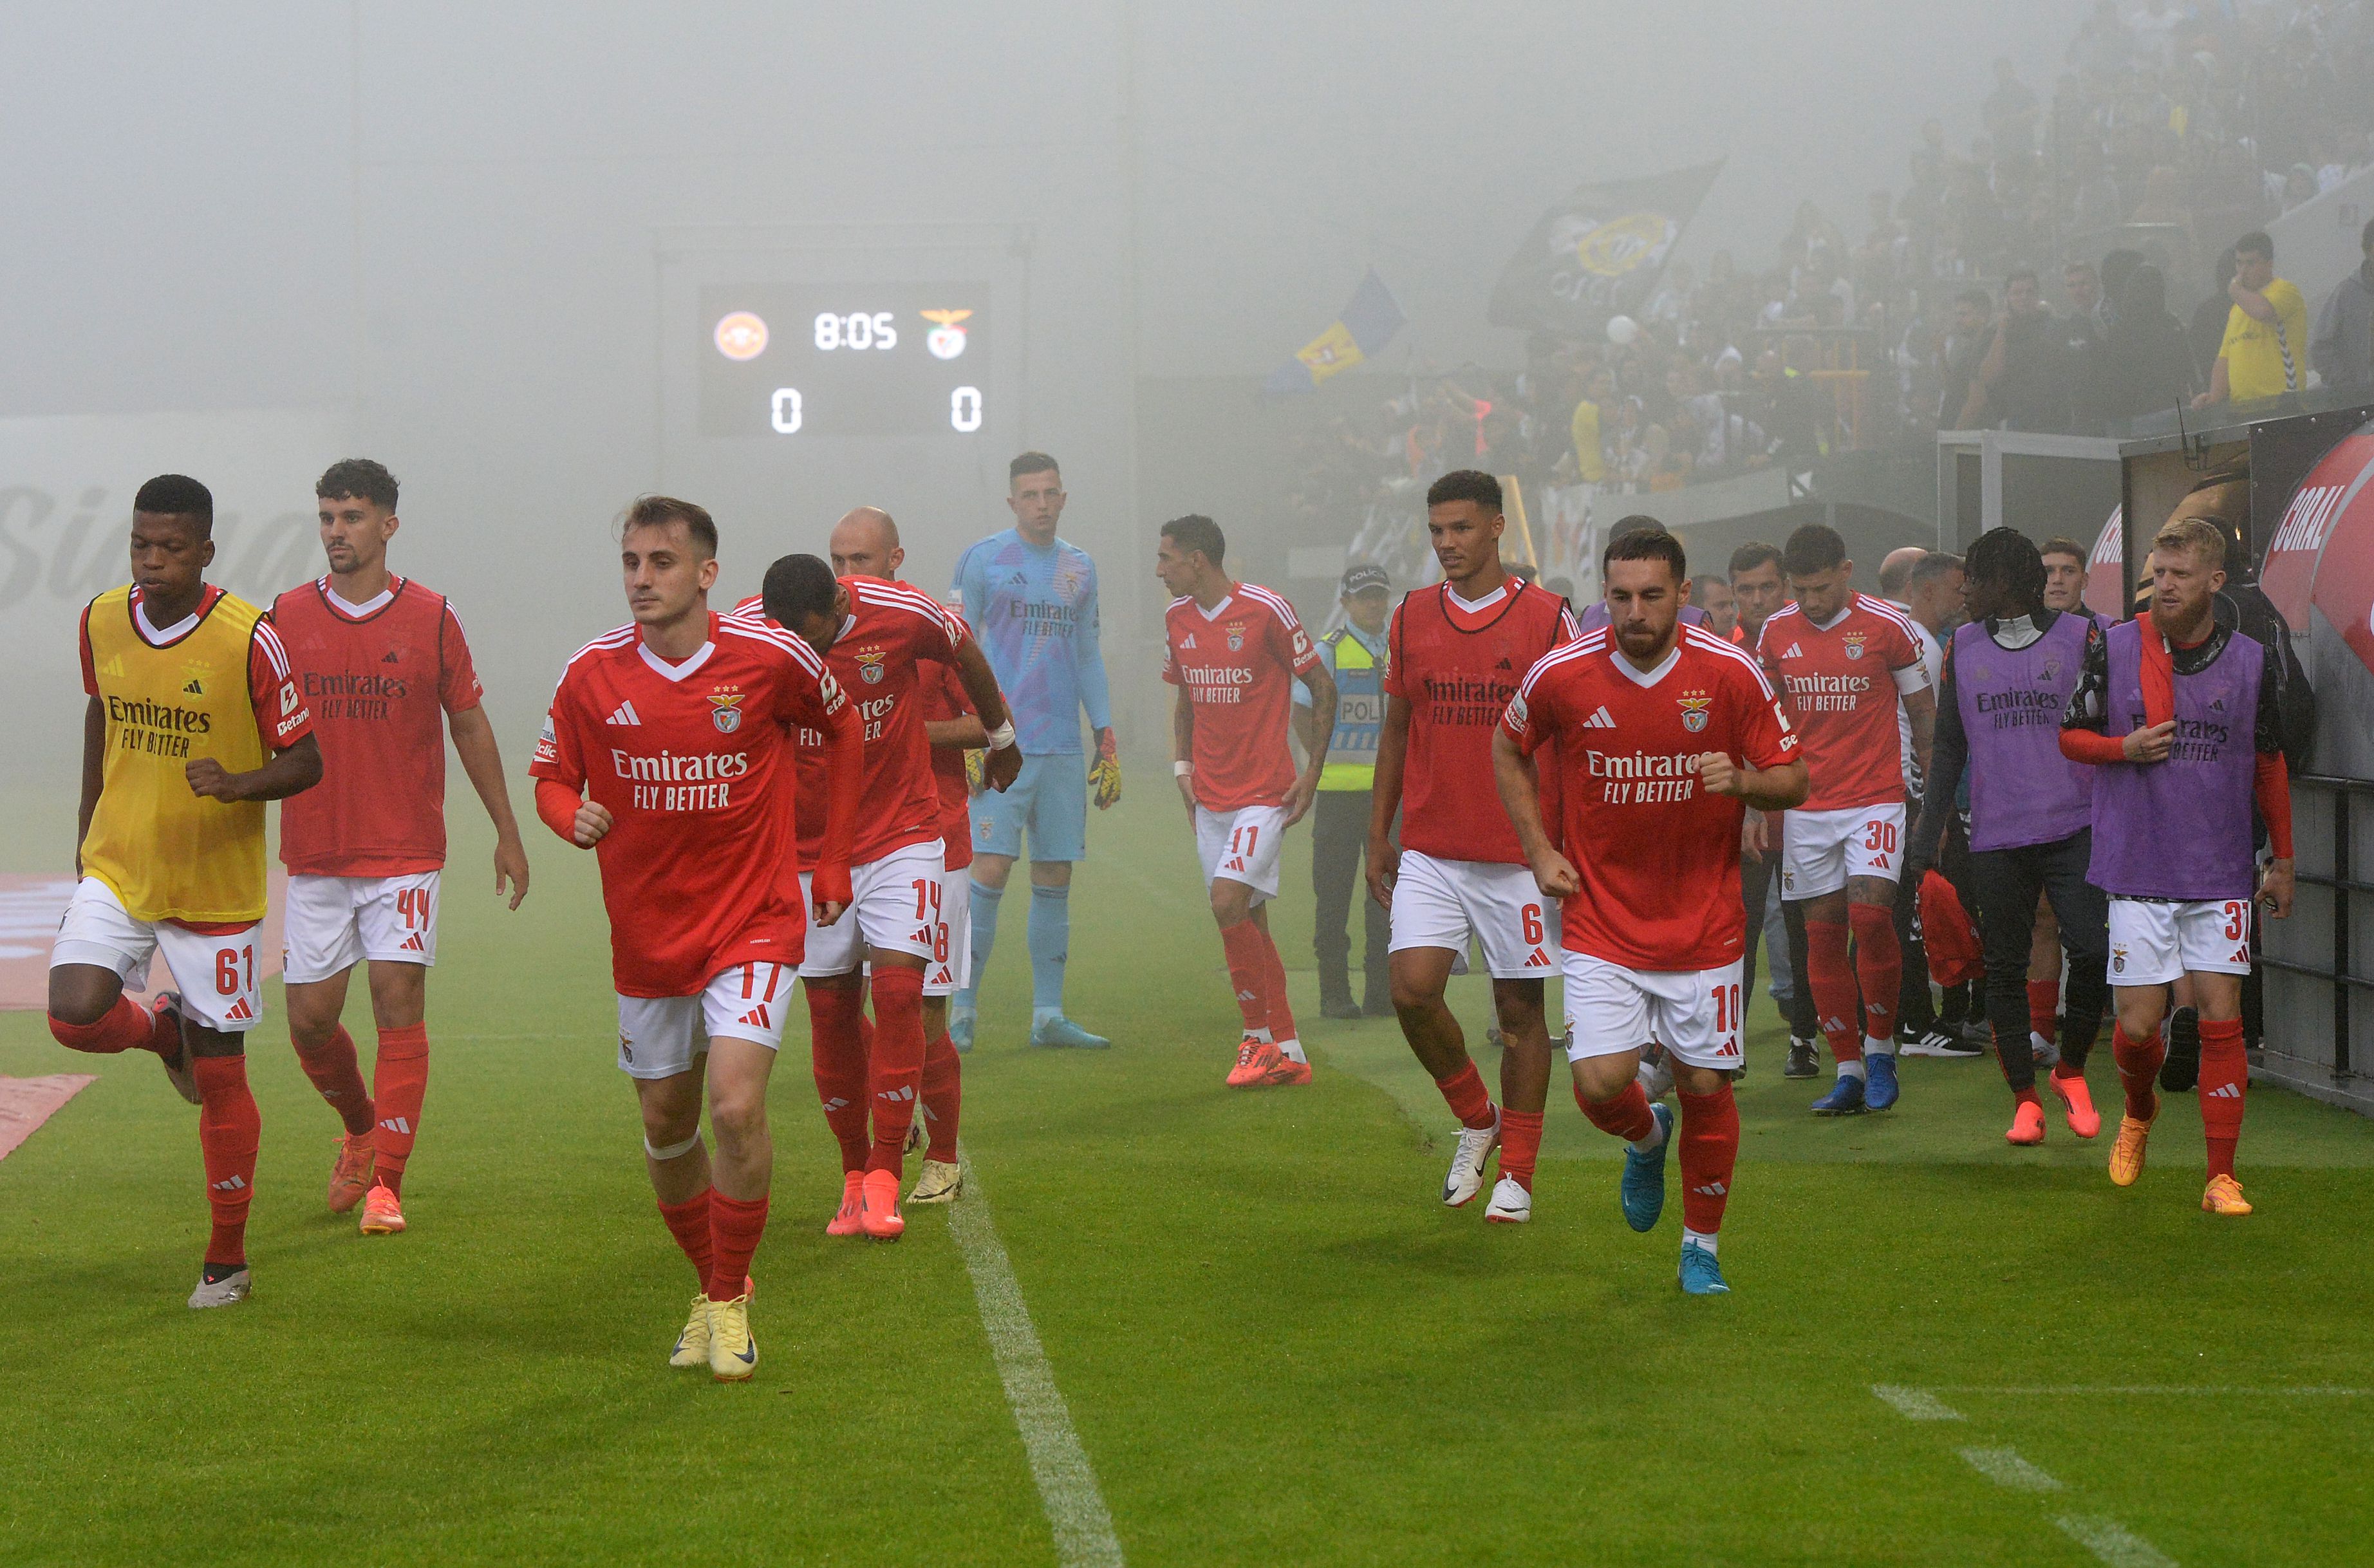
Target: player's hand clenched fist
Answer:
[[592, 824], [1001, 767], [1555, 875], [1720, 775], [208, 778]]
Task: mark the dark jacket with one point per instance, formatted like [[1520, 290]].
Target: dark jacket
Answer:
[[2342, 347]]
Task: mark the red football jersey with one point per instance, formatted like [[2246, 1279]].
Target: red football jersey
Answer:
[[890, 633], [694, 762], [1238, 661], [1841, 684], [1457, 666], [944, 698], [380, 679], [1657, 855]]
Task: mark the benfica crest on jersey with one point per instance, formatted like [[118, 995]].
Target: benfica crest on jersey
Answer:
[[1694, 710], [869, 666], [1236, 638], [727, 711], [1854, 644]]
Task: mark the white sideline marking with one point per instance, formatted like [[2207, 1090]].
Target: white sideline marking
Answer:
[[1067, 1486], [1915, 1404], [2006, 1468], [2302, 1391], [2113, 1542]]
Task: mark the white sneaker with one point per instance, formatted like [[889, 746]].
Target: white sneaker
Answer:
[[2043, 1052], [228, 1291], [1467, 1162], [1657, 1076], [1510, 1205]]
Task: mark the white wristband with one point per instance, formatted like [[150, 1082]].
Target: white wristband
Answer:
[[1182, 769], [1001, 737]]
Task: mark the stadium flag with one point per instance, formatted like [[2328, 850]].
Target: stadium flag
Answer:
[[1598, 252], [1360, 332]]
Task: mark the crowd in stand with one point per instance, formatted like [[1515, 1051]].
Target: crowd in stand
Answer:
[[2031, 281]]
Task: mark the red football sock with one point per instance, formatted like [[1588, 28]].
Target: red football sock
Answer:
[[688, 1223], [2044, 1007], [400, 1080], [124, 1027], [1248, 971], [1625, 1117], [1520, 1144], [895, 1071], [333, 1069], [2224, 1086], [837, 1054], [2028, 1096], [1832, 977], [1709, 1148], [228, 1130], [1281, 1011], [1465, 1093], [943, 1097], [2138, 1070], [1879, 965], [734, 1226]]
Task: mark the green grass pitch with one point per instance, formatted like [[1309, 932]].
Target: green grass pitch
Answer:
[[1274, 1342]]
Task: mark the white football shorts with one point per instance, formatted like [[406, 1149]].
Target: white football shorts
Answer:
[[659, 1036], [893, 910], [1241, 846], [1440, 903], [216, 975], [2153, 944], [1694, 1014], [332, 921], [949, 968], [1820, 850]]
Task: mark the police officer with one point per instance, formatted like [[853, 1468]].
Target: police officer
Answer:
[[1356, 653]]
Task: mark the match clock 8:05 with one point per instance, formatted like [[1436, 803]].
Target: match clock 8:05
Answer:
[[816, 360]]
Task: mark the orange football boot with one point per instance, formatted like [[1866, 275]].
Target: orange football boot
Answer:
[[877, 1207], [382, 1214], [350, 1176], [1286, 1073], [2077, 1105], [2224, 1196], [2127, 1154], [846, 1221], [2027, 1124], [1256, 1061]]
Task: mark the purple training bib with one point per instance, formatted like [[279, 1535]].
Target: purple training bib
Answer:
[[2023, 791], [2180, 828]]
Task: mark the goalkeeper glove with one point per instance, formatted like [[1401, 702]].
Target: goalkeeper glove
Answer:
[[1106, 773]]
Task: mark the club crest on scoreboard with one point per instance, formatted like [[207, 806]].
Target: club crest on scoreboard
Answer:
[[740, 335], [947, 338]]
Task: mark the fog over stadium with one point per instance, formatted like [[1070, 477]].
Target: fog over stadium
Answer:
[[438, 234]]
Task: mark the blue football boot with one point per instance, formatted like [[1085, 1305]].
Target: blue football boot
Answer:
[[1701, 1275], [1643, 1189], [1845, 1098], [1880, 1091]]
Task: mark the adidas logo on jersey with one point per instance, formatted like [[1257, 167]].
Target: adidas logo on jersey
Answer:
[[194, 689], [1504, 664], [389, 657], [624, 714], [1793, 651], [1601, 720], [1187, 643], [1537, 959]]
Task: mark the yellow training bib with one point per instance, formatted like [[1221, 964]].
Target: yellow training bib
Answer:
[[170, 854]]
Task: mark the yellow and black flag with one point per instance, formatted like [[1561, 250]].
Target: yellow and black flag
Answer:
[[1361, 332]]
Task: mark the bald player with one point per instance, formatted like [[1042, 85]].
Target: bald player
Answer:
[[865, 544]]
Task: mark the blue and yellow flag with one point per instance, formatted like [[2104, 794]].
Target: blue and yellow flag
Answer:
[[1366, 325]]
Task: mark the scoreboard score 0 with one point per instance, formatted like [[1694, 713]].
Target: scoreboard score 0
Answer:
[[784, 361]]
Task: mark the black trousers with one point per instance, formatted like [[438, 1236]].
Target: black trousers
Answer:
[[1339, 842], [1760, 881], [1916, 1012], [2007, 883]]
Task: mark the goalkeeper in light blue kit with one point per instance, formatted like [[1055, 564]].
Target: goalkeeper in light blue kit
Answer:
[[1031, 600]]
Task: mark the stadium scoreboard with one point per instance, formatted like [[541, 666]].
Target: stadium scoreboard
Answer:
[[798, 362]]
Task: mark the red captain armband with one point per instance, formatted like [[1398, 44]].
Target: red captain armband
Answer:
[[830, 884], [2087, 745], [556, 807]]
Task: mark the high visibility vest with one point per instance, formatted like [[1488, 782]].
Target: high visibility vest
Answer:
[[1359, 715]]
